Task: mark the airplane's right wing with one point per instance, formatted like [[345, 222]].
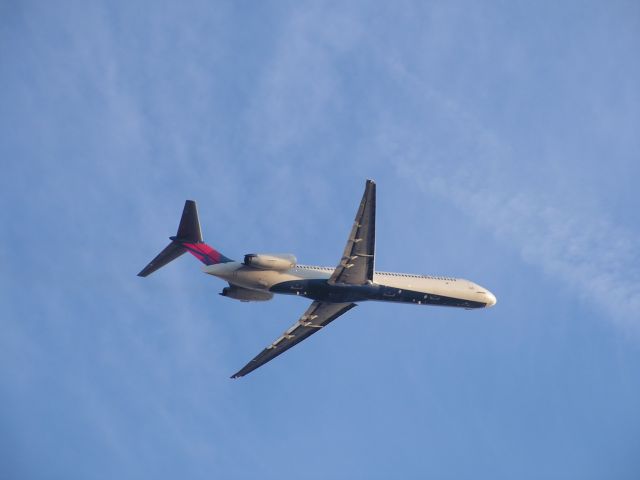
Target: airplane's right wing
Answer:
[[317, 316], [357, 263]]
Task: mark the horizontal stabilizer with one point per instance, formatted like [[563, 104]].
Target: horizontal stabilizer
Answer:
[[169, 254]]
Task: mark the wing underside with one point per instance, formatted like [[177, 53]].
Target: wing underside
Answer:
[[357, 264], [317, 316]]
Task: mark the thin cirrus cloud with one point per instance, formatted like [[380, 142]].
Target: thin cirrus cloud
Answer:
[[582, 247], [588, 252]]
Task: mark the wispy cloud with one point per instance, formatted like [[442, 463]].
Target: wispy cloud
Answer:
[[300, 87], [583, 247]]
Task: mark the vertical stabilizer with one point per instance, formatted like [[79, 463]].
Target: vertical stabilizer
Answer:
[[189, 229]]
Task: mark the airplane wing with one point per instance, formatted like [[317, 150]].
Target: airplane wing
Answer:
[[356, 265], [317, 316]]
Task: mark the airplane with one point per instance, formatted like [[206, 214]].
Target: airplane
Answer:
[[333, 291]]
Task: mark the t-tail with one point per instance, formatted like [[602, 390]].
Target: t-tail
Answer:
[[188, 239]]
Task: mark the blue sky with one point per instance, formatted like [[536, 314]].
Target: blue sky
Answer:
[[504, 140]]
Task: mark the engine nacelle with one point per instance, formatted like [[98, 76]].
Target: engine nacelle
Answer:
[[245, 294], [270, 261]]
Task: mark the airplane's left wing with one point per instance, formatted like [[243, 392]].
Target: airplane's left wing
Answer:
[[317, 316]]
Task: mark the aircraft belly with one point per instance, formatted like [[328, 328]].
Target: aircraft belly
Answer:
[[321, 290], [430, 291], [450, 299]]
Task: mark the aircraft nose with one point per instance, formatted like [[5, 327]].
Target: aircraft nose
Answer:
[[491, 299]]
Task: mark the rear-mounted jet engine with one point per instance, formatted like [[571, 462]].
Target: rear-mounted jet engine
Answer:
[[270, 261]]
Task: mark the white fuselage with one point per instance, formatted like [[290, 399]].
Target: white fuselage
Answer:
[[394, 286]]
